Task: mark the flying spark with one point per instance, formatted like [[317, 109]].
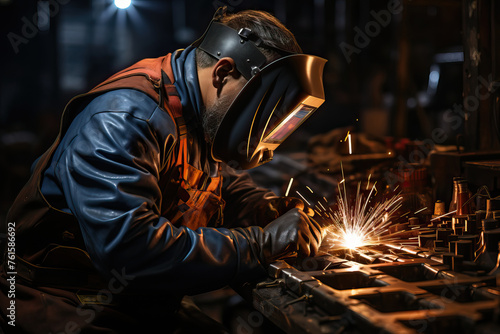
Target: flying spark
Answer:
[[350, 143], [446, 214], [303, 198], [289, 185], [360, 224], [419, 210], [347, 135]]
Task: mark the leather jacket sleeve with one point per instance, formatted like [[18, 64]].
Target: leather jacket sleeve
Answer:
[[109, 176], [250, 205], [242, 196]]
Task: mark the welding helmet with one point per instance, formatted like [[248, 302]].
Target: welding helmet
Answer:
[[275, 101]]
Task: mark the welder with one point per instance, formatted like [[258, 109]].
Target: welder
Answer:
[[141, 200]]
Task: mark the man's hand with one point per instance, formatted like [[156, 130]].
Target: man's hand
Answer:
[[274, 207], [292, 234]]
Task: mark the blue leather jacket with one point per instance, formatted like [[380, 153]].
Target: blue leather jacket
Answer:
[[105, 172]]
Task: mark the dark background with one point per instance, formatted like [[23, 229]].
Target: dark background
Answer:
[[43, 64]]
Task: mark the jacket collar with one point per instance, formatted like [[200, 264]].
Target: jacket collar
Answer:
[[187, 85]]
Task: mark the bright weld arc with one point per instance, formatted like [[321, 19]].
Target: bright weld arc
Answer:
[[359, 225]]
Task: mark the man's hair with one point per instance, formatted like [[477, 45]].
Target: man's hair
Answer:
[[270, 30]]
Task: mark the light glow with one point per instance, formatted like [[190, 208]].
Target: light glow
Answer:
[[352, 240], [123, 4], [359, 224]]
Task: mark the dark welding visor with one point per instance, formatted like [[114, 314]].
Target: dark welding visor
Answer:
[[273, 103]]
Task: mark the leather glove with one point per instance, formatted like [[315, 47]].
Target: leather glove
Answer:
[[292, 234], [272, 207]]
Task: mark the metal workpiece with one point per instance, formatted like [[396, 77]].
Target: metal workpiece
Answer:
[[383, 288]]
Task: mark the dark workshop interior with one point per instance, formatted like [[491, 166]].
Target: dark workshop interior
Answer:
[[408, 138]]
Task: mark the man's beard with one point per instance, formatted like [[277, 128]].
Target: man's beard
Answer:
[[213, 115]]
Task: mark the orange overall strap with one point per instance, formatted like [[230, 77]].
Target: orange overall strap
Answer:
[[175, 105]]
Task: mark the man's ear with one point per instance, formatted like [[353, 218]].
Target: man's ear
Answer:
[[222, 70]]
